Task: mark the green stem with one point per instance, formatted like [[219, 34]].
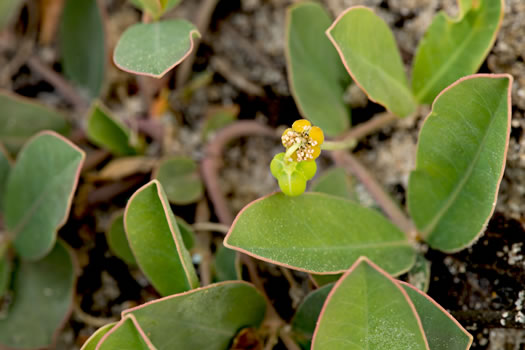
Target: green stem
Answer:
[[339, 145]]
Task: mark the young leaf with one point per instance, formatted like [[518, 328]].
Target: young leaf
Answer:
[[318, 233], [152, 49], [82, 44], [316, 76], [367, 309], [443, 332], [5, 168], [180, 179], [455, 47], [370, 54], [305, 319], [460, 160], [204, 318], [105, 131], [156, 242], [42, 300], [127, 335], [156, 7], [92, 342], [39, 192], [118, 242], [22, 117], [334, 182]]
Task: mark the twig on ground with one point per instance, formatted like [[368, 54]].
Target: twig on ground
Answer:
[[107, 192], [225, 68]]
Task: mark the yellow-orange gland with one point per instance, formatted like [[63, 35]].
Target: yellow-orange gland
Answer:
[[306, 138]]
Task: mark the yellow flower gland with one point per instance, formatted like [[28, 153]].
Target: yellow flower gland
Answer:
[[302, 141]]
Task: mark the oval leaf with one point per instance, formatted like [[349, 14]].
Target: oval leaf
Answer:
[[227, 264], [39, 192], [22, 117], [127, 335], [370, 54], [318, 233], [180, 179], [156, 242], [460, 161], [92, 342], [453, 48], [153, 49], [357, 314], [82, 44], [205, 318], [105, 131], [441, 329], [42, 300], [316, 75]]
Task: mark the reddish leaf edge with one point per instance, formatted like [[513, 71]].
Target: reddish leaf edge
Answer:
[[137, 327], [97, 332], [509, 118], [194, 35], [358, 262], [167, 209], [12, 235], [403, 283], [458, 19], [340, 52], [288, 58], [67, 315], [275, 262]]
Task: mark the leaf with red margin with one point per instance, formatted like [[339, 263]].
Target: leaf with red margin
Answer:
[[22, 117], [443, 332], [460, 160], [92, 342], [153, 49], [41, 302], [39, 192], [127, 335], [316, 76], [156, 242], [204, 318], [318, 233], [369, 52], [454, 47], [367, 309]]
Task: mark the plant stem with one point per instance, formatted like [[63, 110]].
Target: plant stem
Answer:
[[211, 226], [389, 206]]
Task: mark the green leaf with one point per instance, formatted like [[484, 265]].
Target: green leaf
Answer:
[[92, 342], [181, 180], [42, 301], [8, 9], [316, 76], [156, 242], [334, 182], [323, 280], [419, 274], [153, 7], [152, 49], [39, 192], [370, 54], [367, 309], [227, 264], [22, 117], [5, 168], [82, 44], [206, 318], [441, 329], [105, 131], [454, 47], [305, 318], [318, 233], [186, 231], [118, 242], [460, 160], [126, 336]]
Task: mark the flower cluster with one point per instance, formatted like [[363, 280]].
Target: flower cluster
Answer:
[[302, 141]]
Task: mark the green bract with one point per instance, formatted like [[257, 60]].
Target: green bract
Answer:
[[292, 176]]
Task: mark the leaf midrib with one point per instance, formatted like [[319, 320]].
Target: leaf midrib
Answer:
[[429, 228]]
